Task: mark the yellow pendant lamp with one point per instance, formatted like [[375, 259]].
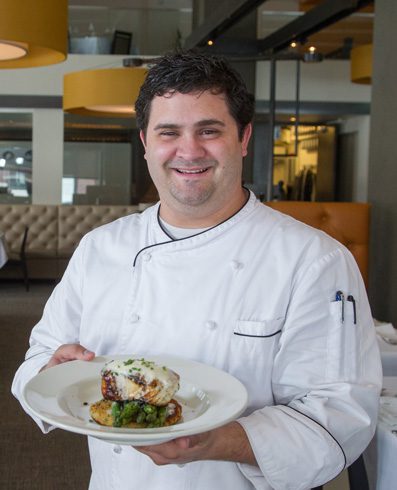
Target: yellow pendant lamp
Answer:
[[361, 64], [109, 92], [33, 32]]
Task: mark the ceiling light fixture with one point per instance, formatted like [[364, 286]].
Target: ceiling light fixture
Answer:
[[33, 33], [361, 64], [109, 92], [312, 55]]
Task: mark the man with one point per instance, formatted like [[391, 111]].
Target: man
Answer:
[[211, 274]]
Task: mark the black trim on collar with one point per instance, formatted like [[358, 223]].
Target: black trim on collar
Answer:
[[172, 239]]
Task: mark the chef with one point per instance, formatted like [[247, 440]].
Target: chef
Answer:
[[211, 274]]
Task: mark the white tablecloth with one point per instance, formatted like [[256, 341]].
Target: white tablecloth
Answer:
[[388, 354], [381, 455], [3, 253]]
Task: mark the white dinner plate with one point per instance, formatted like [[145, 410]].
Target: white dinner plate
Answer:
[[61, 397]]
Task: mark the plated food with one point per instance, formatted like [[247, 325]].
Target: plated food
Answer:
[[61, 397], [137, 393]]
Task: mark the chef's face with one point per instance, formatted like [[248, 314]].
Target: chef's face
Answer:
[[194, 156]]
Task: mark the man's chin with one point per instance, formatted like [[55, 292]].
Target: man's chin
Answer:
[[192, 199]]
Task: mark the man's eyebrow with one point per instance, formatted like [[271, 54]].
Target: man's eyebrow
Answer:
[[199, 124], [209, 122], [166, 126]]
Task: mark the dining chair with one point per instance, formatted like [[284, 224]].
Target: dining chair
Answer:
[[19, 258]]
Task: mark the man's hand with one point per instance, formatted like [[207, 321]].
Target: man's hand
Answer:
[[227, 443], [69, 352]]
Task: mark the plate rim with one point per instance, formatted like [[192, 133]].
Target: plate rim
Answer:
[[111, 434]]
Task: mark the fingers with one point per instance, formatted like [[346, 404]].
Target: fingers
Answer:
[[69, 352], [178, 451]]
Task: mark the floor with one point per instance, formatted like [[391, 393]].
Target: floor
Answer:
[[28, 459]]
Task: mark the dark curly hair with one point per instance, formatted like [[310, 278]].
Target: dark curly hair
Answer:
[[190, 71]]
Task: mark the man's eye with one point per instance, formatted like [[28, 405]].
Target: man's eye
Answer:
[[168, 133], [209, 132]]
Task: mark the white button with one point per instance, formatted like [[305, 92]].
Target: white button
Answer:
[[236, 265], [211, 325], [134, 317], [147, 257], [117, 449]]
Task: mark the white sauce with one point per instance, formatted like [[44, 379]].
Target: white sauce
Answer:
[[148, 371]]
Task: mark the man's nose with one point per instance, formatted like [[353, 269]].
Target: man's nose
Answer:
[[190, 148]]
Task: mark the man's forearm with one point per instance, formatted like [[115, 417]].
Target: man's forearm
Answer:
[[230, 443]]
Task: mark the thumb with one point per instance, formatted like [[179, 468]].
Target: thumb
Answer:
[[88, 355], [72, 352], [69, 352]]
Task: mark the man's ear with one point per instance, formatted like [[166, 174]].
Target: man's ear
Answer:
[[245, 139], [143, 138]]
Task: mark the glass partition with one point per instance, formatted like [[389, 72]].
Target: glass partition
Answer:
[[15, 158], [104, 162], [145, 28]]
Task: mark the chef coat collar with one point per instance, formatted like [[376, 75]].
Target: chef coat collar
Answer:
[[159, 234]]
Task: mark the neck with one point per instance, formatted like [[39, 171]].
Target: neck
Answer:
[[185, 216]]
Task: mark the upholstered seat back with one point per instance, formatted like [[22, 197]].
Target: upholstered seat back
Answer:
[[76, 221], [42, 221], [346, 222]]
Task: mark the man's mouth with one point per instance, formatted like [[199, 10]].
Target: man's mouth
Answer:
[[190, 171]]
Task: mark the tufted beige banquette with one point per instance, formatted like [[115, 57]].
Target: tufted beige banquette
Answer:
[[54, 231]]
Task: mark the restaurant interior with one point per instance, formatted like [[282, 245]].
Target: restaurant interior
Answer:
[[323, 73]]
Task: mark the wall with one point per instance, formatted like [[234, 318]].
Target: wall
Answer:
[[47, 149]]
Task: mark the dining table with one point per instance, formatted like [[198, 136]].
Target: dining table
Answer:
[[3, 250], [381, 455]]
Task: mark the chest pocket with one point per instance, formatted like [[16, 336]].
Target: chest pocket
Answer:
[[258, 329], [253, 346]]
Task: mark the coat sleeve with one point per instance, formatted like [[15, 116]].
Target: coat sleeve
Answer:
[[60, 324], [326, 381]]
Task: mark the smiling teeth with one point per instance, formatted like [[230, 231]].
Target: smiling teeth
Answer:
[[192, 171]]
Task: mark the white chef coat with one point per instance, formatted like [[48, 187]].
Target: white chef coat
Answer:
[[254, 296]]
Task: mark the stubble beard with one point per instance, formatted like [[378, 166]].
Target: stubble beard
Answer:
[[193, 193]]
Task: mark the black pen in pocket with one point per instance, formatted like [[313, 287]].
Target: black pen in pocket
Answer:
[[353, 301]]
